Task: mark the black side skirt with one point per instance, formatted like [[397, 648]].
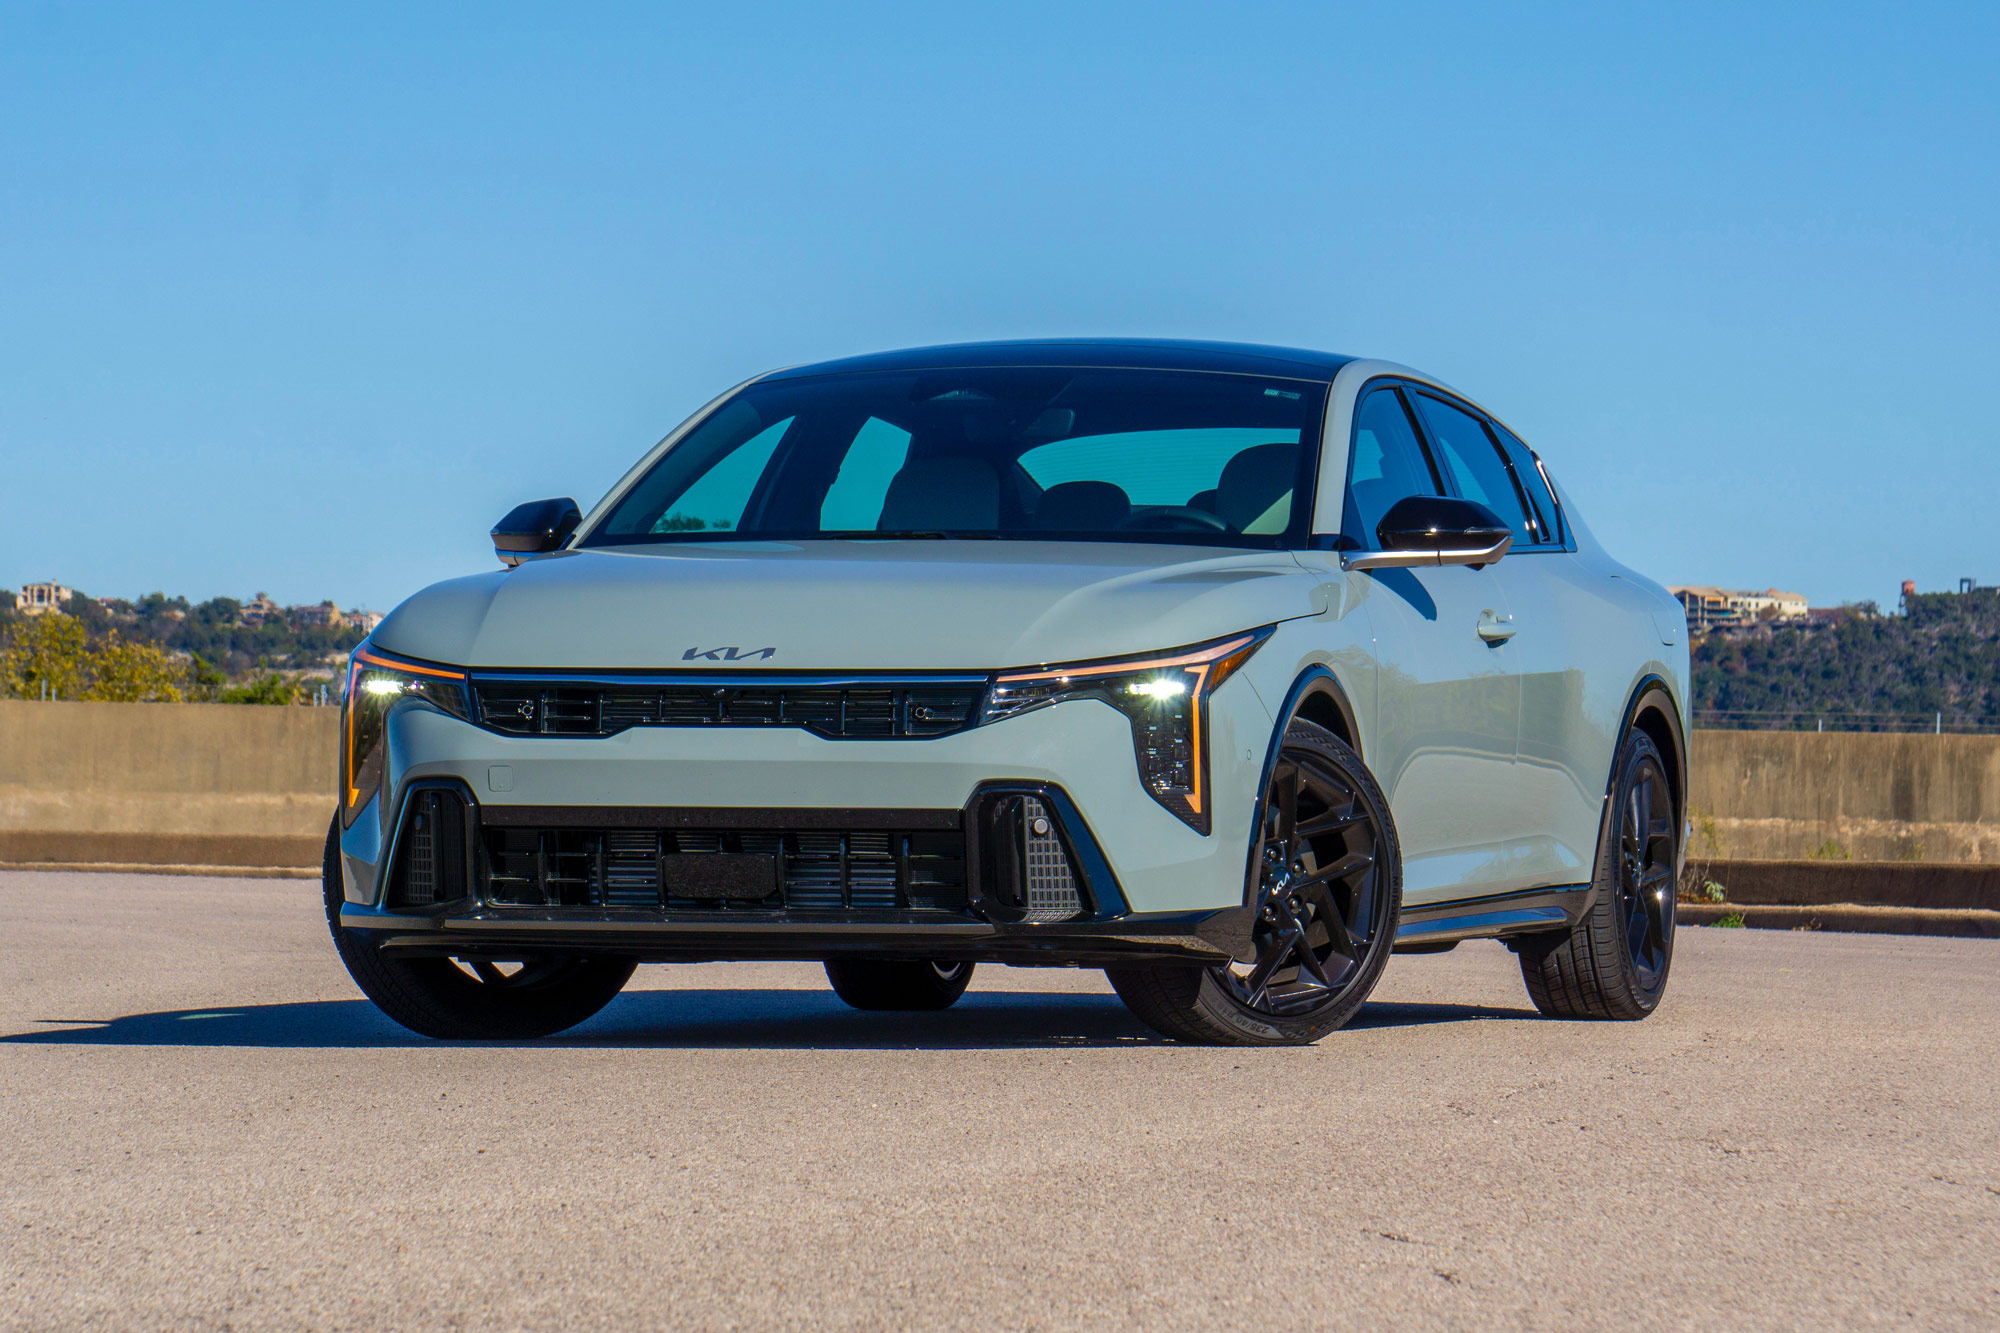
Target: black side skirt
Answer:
[[1526, 913]]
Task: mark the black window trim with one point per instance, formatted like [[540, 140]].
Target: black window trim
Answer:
[[1562, 541], [1490, 425]]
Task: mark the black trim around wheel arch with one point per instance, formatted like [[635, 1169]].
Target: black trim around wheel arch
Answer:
[[1649, 683], [1199, 938], [1315, 679], [1528, 912]]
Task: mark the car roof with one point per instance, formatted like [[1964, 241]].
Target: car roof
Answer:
[[1126, 353]]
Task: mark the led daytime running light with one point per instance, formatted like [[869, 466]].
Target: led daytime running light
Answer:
[[1164, 697], [376, 683]]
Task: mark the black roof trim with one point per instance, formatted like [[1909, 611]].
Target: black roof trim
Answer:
[[1124, 353]]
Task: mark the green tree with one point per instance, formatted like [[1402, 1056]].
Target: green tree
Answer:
[[45, 655], [205, 683], [122, 671]]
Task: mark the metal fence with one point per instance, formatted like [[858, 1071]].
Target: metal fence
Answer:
[[1763, 719]]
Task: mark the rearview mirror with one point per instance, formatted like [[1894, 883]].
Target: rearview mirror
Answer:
[[534, 528], [1435, 530]]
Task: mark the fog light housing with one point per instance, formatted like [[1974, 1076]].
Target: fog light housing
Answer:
[[1026, 871]]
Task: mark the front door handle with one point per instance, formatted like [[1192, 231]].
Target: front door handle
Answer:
[[1495, 629]]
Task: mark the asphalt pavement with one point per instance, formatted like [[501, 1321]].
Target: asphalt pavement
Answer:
[[206, 1126]]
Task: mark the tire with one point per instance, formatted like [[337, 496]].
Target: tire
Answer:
[[1613, 963], [1328, 892], [873, 983], [475, 1000]]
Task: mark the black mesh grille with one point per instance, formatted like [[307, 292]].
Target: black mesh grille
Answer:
[[431, 866], [723, 870], [887, 709]]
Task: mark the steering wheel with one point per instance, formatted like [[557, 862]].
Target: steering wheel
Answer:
[[1173, 518]]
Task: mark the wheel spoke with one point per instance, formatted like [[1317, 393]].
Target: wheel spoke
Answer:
[[1345, 868], [1336, 821], [1288, 814], [1342, 938], [1276, 950]]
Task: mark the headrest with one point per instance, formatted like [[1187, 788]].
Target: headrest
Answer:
[[951, 493], [1082, 506], [1253, 481]]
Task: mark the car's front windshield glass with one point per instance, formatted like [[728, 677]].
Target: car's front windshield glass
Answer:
[[1053, 454]]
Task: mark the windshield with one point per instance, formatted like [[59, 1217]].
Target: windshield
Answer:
[[1036, 453]]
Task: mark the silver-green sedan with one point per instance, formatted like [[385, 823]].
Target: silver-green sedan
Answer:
[[1228, 669]]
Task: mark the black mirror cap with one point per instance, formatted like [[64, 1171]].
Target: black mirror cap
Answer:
[[1439, 523], [534, 528]]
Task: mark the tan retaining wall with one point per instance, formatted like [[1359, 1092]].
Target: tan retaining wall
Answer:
[[218, 784], [1783, 795], [210, 784]]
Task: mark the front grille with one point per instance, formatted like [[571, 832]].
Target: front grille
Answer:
[[874, 710], [727, 870], [431, 865]]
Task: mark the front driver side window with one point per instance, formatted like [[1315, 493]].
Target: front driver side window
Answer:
[[1386, 464]]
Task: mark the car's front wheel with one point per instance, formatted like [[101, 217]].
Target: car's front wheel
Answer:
[[1329, 889], [1613, 963], [472, 999]]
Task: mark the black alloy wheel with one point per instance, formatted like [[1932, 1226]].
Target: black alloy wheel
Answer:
[[1613, 963], [1646, 846], [1327, 896]]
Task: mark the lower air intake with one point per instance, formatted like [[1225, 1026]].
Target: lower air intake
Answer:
[[1051, 884], [431, 867]]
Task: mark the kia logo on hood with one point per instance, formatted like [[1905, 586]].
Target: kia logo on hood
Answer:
[[728, 654]]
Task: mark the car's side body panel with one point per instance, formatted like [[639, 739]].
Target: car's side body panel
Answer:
[[1495, 754]]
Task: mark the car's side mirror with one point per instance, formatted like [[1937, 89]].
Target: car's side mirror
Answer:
[[534, 528], [1435, 530]]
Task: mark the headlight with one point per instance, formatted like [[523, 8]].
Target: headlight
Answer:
[[377, 682], [1166, 698]]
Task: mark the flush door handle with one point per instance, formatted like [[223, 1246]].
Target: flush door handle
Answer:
[[1495, 629]]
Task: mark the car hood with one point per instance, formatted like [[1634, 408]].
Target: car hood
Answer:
[[846, 606]]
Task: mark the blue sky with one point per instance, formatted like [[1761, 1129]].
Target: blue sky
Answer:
[[303, 299]]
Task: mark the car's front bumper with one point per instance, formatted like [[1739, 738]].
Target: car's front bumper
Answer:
[[1160, 889]]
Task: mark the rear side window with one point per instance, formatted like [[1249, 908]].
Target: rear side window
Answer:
[[1528, 472], [1386, 464], [1472, 460]]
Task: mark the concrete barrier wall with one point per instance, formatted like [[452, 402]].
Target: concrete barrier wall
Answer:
[[209, 784], [233, 785], [1781, 795]]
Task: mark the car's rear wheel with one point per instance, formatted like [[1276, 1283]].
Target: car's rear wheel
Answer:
[[869, 983], [1329, 888], [1613, 963], [477, 998]]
